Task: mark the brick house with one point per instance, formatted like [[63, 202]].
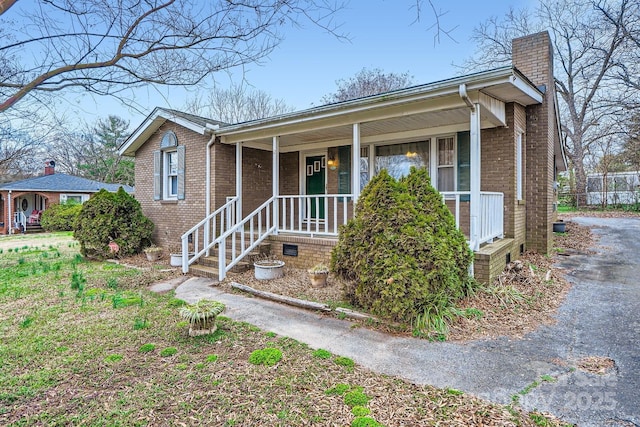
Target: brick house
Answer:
[[490, 141], [22, 202]]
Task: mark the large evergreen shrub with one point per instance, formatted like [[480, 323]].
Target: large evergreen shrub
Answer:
[[60, 217], [402, 254], [112, 217]]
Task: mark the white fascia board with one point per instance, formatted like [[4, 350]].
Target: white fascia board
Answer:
[[151, 124], [526, 88]]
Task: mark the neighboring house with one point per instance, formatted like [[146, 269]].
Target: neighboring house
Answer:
[[613, 188], [490, 141], [22, 202]]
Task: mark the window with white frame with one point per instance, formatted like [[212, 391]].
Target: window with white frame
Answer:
[[171, 176], [364, 166], [168, 169], [519, 166], [446, 165]]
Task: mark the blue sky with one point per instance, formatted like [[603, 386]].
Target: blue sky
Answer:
[[308, 62]]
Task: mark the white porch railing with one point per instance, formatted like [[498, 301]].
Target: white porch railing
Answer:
[[19, 220], [204, 233], [314, 215], [491, 221], [491, 216]]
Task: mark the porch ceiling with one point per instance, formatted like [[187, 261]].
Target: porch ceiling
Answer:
[[397, 129]]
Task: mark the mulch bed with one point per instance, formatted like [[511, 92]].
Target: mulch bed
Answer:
[[521, 299]]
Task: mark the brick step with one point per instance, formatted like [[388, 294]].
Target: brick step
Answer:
[[263, 250], [212, 261], [204, 271], [34, 228]]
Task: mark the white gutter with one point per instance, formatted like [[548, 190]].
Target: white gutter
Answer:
[[207, 191], [462, 91], [211, 129]]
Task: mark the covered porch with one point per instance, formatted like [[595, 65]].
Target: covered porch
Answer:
[[21, 212], [320, 160]]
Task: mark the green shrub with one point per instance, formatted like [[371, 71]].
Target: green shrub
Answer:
[[112, 217], [402, 254], [61, 217], [265, 356]]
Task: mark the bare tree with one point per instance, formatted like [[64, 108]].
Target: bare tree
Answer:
[[367, 82], [587, 50], [237, 104], [106, 47], [17, 148], [630, 153], [92, 151]]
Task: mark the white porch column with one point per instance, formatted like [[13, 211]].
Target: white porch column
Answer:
[[10, 219], [239, 182], [474, 207], [275, 182], [355, 163]]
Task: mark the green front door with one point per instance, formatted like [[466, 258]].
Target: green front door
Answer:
[[315, 169]]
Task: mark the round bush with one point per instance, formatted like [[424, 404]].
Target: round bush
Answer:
[[402, 254], [60, 217], [109, 218]]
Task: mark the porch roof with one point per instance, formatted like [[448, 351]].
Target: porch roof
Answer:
[[404, 113]]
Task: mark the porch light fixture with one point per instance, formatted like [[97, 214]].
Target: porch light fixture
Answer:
[[332, 163]]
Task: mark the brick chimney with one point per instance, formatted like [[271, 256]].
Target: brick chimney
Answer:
[[49, 167], [533, 56]]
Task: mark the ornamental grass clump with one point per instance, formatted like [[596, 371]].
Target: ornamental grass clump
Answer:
[[402, 255]]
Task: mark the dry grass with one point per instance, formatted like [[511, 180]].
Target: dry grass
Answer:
[[596, 364], [71, 357]]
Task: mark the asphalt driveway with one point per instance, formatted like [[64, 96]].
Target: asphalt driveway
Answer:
[[600, 317]]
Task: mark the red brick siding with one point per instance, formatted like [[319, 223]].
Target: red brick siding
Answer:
[[173, 218]]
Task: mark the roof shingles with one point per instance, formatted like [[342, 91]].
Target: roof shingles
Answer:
[[60, 182]]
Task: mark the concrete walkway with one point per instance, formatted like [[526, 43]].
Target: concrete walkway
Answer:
[[601, 317]]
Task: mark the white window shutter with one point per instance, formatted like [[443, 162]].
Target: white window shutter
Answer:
[[181, 166], [157, 175]]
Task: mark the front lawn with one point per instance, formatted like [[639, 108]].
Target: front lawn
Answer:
[[84, 343]]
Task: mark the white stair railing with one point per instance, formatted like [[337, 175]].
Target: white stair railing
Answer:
[[20, 220], [204, 233], [245, 236]]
